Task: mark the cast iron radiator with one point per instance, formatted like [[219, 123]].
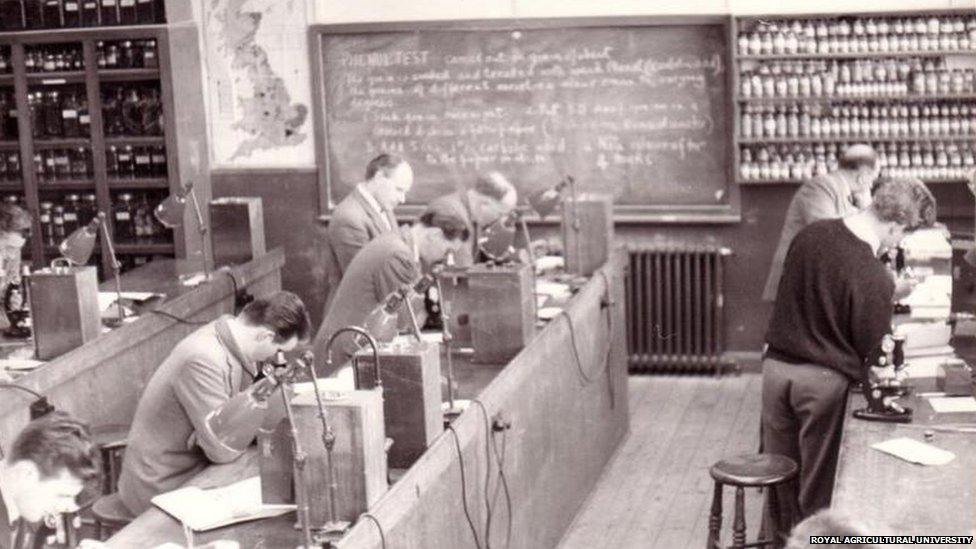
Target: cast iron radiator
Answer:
[[675, 309]]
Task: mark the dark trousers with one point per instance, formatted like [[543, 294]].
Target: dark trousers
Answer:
[[802, 418]]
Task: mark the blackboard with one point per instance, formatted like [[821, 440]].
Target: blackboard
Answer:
[[634, 107]]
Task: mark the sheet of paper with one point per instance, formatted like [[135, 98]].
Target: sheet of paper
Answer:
[[914, 451], [556, 290], [548, 263], [107, 299], [208, 509], [948, 405]]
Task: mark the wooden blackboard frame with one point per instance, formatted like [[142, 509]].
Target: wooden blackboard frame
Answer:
[[729, 212]]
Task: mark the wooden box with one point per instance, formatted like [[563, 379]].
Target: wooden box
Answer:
[[587, 232], [457, 302], [237, 230], [502, 310], [64, 309], [356, 418], [411, 395]]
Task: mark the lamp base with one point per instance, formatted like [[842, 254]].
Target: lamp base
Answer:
[[452, 412]]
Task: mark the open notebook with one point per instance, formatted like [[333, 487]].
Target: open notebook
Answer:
[[206, 509]]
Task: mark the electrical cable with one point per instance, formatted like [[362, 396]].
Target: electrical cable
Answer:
[[379, 527], [34, 393], [464, 489], [587, 378], [487, 490], [504, 483], [178, 319]]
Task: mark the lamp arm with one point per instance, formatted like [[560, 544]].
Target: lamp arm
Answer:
[[299, 459], [369, 339], [202, 229], [116, 271]]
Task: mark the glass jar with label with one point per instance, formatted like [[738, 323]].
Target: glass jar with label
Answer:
[[71, 205], [122, 215], [44, 219]]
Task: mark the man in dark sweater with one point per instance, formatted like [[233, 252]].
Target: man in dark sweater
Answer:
[[833, 305]]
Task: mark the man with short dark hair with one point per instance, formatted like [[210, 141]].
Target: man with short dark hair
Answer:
[[490, 198], [384, 265], [44, 471], [829, 196], [833, 307], [172, 437], [365, 213]]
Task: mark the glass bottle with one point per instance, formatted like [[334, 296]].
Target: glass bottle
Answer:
[[109, 12], [88, 208], [158, 161], [13, 165], [151, 110], [127, 12], [52, 115], [125, 55], [72, 13], [62, 164], [89, 13], [112, 161], [71, 204], [143, 162], [57, 222], [150, 60], [126, 164], [53, 15], [69, 116], [132, 113], [80, 166], [47, 227], [122, 214]]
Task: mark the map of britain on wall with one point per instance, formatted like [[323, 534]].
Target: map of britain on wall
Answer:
[[258, 79]]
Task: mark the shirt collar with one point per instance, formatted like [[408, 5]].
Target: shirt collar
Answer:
[[369, 199], [226, 338], [864, 233]]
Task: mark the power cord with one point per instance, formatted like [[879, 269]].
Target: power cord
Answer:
[[241, 296], [464, 489], [178, 319], [487, 490], [379, 527], [504, 481]]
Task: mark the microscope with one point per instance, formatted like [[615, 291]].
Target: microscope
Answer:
[[884, 381]]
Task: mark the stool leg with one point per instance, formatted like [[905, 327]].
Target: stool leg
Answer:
[[715, 518], [772, 533], [739, 523], [98, 530]]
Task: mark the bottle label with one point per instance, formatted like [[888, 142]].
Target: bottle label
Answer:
[[70, 216], [142, 159], [70, 6], [122, 216], [158, 159], [69, 113], [84, 119], [45, 218], [108, 3], [127, 3]]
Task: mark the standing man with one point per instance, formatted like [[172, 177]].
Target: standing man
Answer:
[[830, 196], [173, 436], [365, 213], [384, 265], [834, 305], [491, 198], [44, 471]]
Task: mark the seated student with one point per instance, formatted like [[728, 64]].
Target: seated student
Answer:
[[384, 265], [491, 198], [44, 471], [172, 437]]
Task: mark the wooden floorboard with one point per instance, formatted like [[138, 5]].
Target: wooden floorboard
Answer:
[[656, 492]]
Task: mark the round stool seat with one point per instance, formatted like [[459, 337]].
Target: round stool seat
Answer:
[[754, 470], [110, 511]]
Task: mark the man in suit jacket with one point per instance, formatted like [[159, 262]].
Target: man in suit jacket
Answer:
[[365, 213], [386, 264], [44, 471], [490, 198], [837, 194], [172, 436]]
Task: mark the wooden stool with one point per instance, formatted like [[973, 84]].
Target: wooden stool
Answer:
[[750, 470], [111, 441], [110, 515]]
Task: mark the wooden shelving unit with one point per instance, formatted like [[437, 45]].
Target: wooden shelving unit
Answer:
[[92, 79], [962, 54]]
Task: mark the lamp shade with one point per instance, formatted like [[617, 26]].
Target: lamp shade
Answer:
[[169, 212], [497, 240], [80, 244]]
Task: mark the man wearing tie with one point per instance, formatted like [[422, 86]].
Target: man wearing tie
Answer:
[[831, 196], [491, 198], [44, 471], [365, 213]]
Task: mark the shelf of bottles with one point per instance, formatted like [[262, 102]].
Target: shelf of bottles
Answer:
[[96, 138], [18, 15], [806, 87]]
